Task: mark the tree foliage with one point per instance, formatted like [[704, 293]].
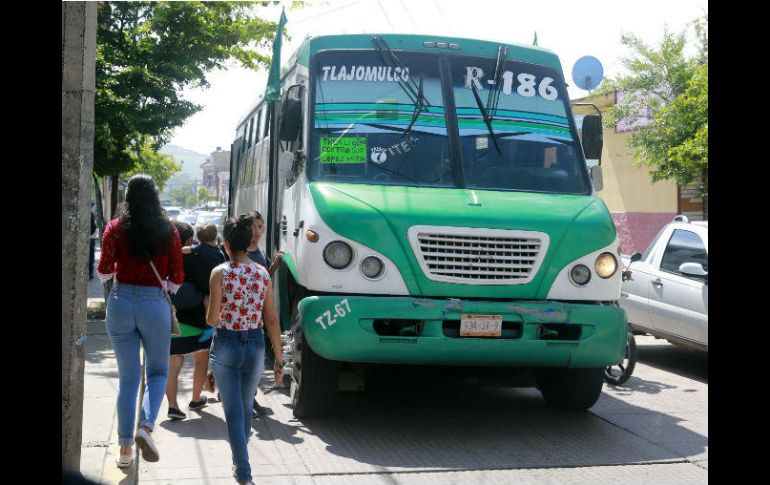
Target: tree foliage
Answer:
[[147, 52], [664, 83], [205, 196], [182, 197]]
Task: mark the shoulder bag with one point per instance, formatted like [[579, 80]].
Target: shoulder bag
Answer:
[[175, 330]]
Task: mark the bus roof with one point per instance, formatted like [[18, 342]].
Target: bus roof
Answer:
[[412, 42]]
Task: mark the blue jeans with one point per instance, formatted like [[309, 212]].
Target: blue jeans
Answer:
[[139, 314], [237, 360]]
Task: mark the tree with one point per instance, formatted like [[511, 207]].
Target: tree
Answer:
[[204, 195], [147, 52], [182, 197], [673, 88], [675, 144]]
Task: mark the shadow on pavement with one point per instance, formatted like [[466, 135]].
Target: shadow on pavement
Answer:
[[435, 424], [99, 350], [637, 384], [665, 356], [208, 427]]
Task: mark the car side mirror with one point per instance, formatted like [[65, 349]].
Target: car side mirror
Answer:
[[692, 269], [636, 257]]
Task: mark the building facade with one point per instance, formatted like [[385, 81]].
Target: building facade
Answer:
[[639, 206], [216, 174]]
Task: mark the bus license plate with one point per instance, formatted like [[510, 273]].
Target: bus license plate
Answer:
[[481, 325]]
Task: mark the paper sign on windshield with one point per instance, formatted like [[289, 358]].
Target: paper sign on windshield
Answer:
[[343, 150]]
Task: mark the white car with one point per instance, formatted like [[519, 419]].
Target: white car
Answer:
[[188, 217], [667, 295], [173, 212]]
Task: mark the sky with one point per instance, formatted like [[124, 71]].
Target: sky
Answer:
[[569, 28]]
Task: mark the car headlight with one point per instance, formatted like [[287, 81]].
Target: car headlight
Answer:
[[580, 274], [606, 265], [338, 254], [372, 267]]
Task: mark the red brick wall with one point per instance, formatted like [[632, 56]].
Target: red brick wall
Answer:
[[636, 229]]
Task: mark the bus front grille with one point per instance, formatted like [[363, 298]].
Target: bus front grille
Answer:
[[482, 256]]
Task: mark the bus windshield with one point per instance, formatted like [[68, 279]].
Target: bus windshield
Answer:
[[377, 123]]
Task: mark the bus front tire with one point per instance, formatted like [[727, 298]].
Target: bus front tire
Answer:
[[313, 385], [571, 389]]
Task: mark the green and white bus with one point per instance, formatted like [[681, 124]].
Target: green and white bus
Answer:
[[433, 202]]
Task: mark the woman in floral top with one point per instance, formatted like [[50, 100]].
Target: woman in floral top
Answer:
[[240, 296]]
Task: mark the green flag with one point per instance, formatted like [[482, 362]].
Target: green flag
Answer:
[[273, 91]]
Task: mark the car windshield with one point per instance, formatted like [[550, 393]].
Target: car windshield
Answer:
[[371, 125]]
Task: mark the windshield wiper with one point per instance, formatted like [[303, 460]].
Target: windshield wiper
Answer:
[[418, 108], [390, 60], [494, 96], [487, 119]]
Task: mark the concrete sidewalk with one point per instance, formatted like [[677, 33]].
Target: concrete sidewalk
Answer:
[[195, 450], [100, 394]]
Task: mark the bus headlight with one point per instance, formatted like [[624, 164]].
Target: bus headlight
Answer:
[[580, 274], [606, 265], [372, 267], [338, 254]]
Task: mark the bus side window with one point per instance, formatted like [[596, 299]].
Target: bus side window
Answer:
[[266, 123], [236, 163], [257, 126]]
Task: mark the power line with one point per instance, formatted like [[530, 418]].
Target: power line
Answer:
[[386, 16], [416, 29], [294, 22], [443, 17]]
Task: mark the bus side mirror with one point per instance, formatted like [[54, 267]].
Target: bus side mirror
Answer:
[[291, 114], [597, 178], [636, 257], [291, 119], [592, 137], [284, 167]]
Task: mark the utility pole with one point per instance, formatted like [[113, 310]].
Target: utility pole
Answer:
[[78, 90]]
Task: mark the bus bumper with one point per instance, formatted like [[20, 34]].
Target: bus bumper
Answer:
[[405, 330]]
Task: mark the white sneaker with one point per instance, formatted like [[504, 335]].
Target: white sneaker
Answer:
[[124, 461], [147, 445]]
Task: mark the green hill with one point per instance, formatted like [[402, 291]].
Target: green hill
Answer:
[[191, 168], [190, 160]]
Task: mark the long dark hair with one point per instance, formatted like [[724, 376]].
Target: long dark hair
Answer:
[[144, 221], [237, 232]]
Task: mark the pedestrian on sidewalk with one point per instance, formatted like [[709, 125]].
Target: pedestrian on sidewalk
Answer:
[[256, 254], [137, 311], [240, 295], [191, 311]]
